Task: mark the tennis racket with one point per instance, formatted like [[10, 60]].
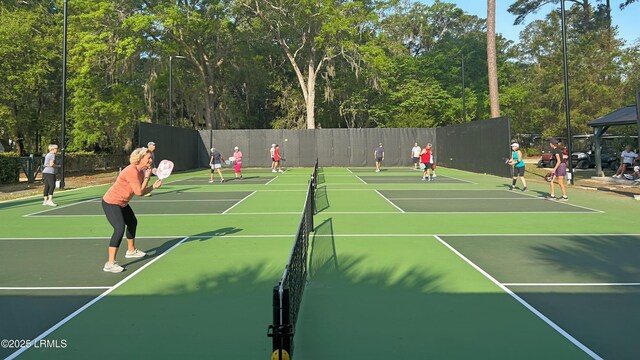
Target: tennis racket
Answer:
[[164, 169]]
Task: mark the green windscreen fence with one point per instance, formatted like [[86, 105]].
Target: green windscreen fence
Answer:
[[478, 146], [179, 145]]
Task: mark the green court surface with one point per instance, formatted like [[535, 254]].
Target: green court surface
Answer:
[[456, 268]]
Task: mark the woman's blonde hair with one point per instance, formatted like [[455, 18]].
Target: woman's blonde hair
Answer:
[[137, 155], [52, 146]]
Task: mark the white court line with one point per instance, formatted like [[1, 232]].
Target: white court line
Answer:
[[269, 182], [359, 178], [54, 287], [451, 177], [571, 284], [459, 235], [349, 170], [236, 204], [51, 208], [462, 198], [154, 237], [154, 200], [87, 305], [181, 214], [333, 213], [562, 202], [289, 235], [390, 202], [522, 301]]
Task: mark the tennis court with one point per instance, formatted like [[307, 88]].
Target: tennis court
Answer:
[[448, 270]]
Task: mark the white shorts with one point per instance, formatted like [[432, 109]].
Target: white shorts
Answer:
[[216, 166]]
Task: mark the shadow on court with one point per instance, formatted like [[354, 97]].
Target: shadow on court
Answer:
[[209, 298], [322, 199]]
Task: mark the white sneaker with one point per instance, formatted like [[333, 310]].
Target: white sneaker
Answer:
[[274, 170], [434, 175], [112, 268], [44, 203], [210, 181], [424, 178], [377, 170], [280, 171], [135, 254], [51, 203]]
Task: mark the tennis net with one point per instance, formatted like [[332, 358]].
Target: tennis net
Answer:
[[287, 295]]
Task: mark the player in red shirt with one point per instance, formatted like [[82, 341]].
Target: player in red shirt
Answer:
[[425, 159], [277, 158]]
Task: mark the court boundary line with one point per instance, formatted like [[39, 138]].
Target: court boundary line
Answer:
[[359, 178], [163, 237], [336, 213], [457, 181], [460, 198], [289, 235], [238, 202], [61, 207], [561, 202], [54, 287], [573, 284], [535, 311], [90, 303], [269, 182], [390, 202]]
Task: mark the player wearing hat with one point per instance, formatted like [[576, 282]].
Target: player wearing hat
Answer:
[[237, 158], [559, 171], [517, 161], [216, 164]]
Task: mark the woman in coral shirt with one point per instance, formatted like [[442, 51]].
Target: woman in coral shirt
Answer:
[[132, 180]]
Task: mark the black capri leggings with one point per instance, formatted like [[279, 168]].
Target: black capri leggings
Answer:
[[49, 183], [119, 217]]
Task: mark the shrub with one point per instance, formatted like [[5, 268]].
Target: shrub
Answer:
[[531, 152], [9, 168]]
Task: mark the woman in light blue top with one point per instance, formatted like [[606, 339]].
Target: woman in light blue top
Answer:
[[49, 175], [517, 161]]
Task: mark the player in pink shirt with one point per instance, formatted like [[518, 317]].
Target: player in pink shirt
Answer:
[[237, 155]]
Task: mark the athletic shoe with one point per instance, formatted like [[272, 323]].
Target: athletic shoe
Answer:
[[434, 175], [274, 170], [280, 171], [429, 178], [524, 189], [51, 203], [424, 178], [377, 170], [563, 198], [135, 254], [112, 268], [44, 203], [512, 187], [210, 181], [221, 181], [551, 197]]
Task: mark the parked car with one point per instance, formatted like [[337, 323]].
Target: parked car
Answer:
[[584, 159]]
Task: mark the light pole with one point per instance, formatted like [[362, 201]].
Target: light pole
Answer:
[[171, 85], [464, 105], [566, 90], [63, 145]]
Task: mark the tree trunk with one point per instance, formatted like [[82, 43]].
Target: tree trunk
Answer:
[[491, 59], [310, 100]]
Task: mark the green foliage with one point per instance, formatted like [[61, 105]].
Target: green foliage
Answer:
[[531, 152], [371, 63], [9, 168]]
